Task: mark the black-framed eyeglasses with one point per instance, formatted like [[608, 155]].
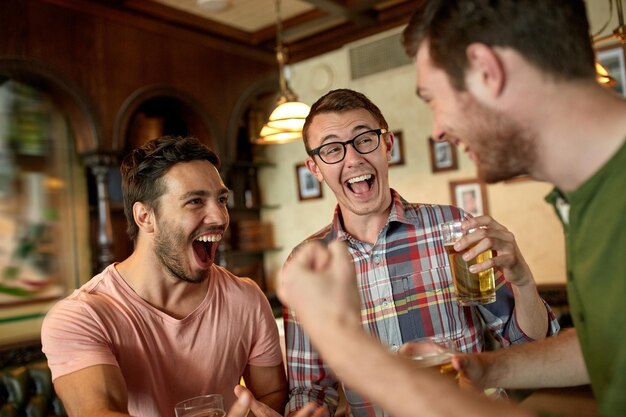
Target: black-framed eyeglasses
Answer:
[[363, 143]]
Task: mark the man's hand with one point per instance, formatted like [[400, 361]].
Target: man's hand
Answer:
[[242, 405], [246, 401], [471, 371], [491, 235], [320, 282]]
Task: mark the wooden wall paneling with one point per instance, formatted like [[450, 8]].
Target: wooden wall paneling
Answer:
[[113, 55], [110, 57]]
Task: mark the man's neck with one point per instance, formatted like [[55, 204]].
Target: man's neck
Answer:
[[145, 275], [365, 227], [582, 131]]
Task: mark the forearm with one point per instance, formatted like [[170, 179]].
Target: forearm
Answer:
[[75, 408], [376, 371], [530, 311], [275, 400], [553, 362]]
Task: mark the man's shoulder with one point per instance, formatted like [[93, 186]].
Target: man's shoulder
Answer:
[[325, 235], [231, 283], [92, 290], [432, 213], [91, 296]]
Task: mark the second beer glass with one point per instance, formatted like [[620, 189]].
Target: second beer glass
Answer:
[[471, 289]]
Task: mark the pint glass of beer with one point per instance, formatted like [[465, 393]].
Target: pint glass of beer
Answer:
[[471, 289], [211, 405]]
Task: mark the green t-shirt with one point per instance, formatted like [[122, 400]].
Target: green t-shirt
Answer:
[[596, 278]]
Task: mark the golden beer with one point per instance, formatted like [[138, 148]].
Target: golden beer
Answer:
[[471, 289]]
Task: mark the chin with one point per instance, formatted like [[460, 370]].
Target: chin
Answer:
[[199, 276]]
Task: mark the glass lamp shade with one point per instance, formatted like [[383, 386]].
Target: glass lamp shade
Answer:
[[271, 136], [289, 115], [603, 77]]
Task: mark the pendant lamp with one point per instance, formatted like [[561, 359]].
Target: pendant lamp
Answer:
[[286, 120], [619, 34]]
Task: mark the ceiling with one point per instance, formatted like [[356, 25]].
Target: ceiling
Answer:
[[310, 27]]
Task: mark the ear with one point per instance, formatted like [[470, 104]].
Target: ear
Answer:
[[486, 74], [389, 139], [143, 217], [315, 170]]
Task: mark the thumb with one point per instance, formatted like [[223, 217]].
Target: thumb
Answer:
[[341, 260], [459, 362], [257, 407], [242, 405], [240, 390]]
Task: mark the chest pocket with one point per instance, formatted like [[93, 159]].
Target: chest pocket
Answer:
[[427, 306]]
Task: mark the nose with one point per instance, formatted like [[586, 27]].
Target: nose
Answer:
[[438, 134], [216, 214], [352, 157]]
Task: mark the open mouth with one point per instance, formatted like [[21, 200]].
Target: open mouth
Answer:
[[361, 184], [203, 246]]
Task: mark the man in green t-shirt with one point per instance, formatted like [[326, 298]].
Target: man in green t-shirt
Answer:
[[514, 82]]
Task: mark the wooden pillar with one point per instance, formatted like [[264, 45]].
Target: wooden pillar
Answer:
[[100, 164]]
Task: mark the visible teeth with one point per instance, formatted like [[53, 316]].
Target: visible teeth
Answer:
[[360, 178], [210, 238]]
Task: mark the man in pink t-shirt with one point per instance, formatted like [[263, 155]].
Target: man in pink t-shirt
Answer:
[[165, 324]]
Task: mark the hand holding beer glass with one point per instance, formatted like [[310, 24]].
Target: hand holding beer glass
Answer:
[[211, 405], [471, 288]]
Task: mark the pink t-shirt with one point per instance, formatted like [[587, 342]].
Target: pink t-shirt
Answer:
[[164, 360]]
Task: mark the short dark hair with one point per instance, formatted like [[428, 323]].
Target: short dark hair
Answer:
[[338, 101], [143, 169], [553, 35]]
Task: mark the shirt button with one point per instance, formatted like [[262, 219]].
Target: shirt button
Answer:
[[394, 348], [376, 259], [385, 304]]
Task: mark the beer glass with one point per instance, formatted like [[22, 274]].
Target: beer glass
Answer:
[[471, 289], [211, 405], [432, 352]]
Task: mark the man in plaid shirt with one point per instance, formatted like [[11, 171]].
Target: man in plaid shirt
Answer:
[[402, 269]]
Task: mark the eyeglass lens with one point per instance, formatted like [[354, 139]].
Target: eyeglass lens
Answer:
[[364, 143]]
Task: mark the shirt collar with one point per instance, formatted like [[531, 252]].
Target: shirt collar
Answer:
[[401, 211]]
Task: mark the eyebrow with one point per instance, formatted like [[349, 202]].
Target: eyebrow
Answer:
[[202, 193], [355, 129]]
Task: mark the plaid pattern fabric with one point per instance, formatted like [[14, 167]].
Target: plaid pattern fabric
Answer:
[[406, 293]]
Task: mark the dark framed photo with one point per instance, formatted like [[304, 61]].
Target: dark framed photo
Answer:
[[397, 151], [309, 187], [443, 156], [613, 59], [470, 195]]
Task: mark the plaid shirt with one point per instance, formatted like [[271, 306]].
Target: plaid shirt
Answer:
[[406, 293]]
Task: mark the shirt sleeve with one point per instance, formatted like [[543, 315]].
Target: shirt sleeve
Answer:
[[73, 339], [501, 320], [310, 380], [266, 346]]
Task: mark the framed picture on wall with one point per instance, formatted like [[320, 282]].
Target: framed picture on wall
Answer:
[[470, 195], [309, 187], [613, 60], [443, 156], [397, 151]]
